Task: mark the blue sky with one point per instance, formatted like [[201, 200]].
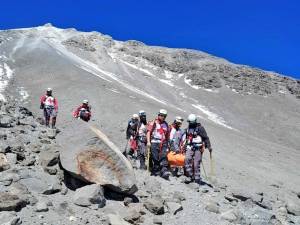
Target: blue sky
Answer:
[[264, 34]]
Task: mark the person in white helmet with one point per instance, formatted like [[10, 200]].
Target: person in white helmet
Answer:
[[131, 135], [196, 140], [157, 140], [50, 106], [176, 133], [83, 111], [175, 142], [142, 139]]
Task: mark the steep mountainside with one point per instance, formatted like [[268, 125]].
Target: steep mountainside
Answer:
[[251, 115]]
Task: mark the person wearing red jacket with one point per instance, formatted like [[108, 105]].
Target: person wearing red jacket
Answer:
[[83, 111], [157, 141], [50, 106]]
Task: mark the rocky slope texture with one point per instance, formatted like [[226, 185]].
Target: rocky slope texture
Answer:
[[35, 190], [251, 116]]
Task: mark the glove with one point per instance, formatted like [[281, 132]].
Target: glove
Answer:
[[210, 149], [202, 150], [42, 106]]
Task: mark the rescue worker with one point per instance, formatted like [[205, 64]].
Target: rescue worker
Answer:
[[196, 140], [175, 142], [83, 111], [49, 105], [131, 134], [142, 139], [157, 140], [176, 134]]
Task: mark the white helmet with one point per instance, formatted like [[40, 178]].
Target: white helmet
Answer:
[[85, 101], [163, 112], [135, 116], [49, 89], [179, 119], [192, 118], [142, 113]]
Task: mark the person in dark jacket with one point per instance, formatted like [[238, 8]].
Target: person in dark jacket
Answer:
[[196, 140], [131, 135]]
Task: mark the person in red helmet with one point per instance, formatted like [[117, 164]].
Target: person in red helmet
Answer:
[[83, 111], [50, 106]]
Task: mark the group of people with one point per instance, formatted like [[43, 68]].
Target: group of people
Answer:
[[49, 105], [152, 141]]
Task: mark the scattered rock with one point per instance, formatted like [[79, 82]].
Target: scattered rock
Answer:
[[6, 121], [229, 216], [48, 158], [11, 158], [178, 196], [97, 159], [293, 207], [88, 195], [266, 204], [10, 202], [41, 207], [116, 220], [42, 183], [155, 205], [174, 207], [241, 195], [212, 206], [50, 170], [4, 164], [230, 198], [127, 201], [157, 221], [9, 218], [51, 133], [133, 217]]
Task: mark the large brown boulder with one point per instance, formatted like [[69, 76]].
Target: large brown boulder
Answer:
[[89, 155]]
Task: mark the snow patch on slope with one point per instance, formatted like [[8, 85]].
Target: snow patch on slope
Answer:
[[5, 75], [95, 70], [23, 93], [168, 82], [212, 116]]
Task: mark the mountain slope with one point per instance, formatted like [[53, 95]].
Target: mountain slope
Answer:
[[252, 116]]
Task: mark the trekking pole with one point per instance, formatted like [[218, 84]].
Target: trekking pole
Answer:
[[203, 167], [212, 169], [148, 158], [204, 171], [125, 149]]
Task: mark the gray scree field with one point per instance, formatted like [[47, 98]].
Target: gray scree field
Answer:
[[252, 117]]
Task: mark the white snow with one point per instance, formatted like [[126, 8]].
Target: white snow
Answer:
[[282, 92], [5, 75], [137, 68], [95, 70], [212, 116], [168, 74], [24, 94], [114, 90], [235, 91], [188, 82], [130, 96], [182, 94], [168, 82]]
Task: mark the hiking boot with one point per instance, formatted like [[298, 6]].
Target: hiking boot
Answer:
[[143, 166], [174, 172], [188, 180], [200, 182], [165, 175]]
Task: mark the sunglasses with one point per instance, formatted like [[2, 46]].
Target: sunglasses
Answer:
[[162, 115]]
